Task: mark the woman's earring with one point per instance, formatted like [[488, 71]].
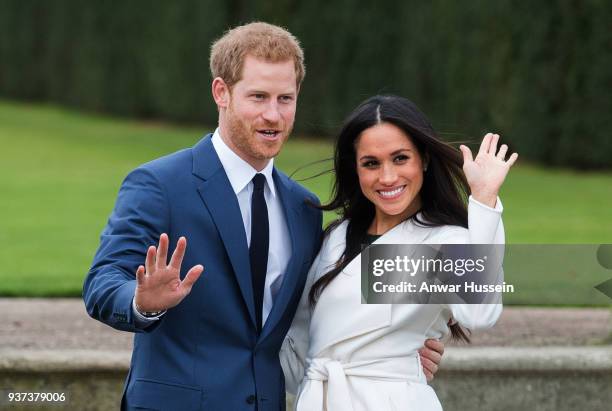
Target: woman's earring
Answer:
[[425, 168]]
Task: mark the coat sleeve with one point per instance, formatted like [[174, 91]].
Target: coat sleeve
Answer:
[[485, 223], [485, 227], [140, 215], [295, 346]]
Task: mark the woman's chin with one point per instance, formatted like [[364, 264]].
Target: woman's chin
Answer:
[[392, 211], [399, 209]]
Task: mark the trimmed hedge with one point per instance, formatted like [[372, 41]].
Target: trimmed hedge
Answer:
[[537, 72]]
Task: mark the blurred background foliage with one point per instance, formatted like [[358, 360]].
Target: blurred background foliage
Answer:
[[60, 170], [537, 72]]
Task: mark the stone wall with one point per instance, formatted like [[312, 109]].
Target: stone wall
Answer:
[[504, 379]]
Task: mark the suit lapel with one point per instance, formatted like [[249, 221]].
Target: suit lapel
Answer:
[[220, 200], [292, 207]]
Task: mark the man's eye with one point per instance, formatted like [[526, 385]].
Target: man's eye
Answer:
[[258, 96], [286, 99]]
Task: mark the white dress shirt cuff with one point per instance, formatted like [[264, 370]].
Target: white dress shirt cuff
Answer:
[[140, 320]]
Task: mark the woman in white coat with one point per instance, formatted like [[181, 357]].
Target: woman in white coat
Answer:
[[396, 183]]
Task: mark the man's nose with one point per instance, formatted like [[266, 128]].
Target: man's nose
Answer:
[[272, 114]]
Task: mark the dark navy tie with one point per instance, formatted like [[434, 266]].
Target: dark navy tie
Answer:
[[258, 249]]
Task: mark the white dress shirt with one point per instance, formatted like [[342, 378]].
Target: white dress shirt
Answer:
[[240, 173]]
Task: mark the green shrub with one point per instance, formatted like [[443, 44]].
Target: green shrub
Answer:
[[537, 72]]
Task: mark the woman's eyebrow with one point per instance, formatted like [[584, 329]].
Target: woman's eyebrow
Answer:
[[367, 158], [400, 150], [396, 152]]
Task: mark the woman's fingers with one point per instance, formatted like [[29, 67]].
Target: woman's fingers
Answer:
[[162, 252], [467, 154], [489, 146], [150, 260], [179, 253], [493, 146], [512, 159], [502, 152], [486, 143]]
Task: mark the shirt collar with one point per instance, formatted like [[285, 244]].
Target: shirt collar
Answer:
[[239, 172]]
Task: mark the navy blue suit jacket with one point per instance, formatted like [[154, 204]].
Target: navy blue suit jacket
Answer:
[[204, 354]]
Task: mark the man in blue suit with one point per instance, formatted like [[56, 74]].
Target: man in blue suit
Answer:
[[213, 344]]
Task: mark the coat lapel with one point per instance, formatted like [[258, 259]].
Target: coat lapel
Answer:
[[292, 207], [220, 200], [341, 300]]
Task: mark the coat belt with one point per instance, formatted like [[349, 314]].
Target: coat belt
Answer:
[[335, 396]]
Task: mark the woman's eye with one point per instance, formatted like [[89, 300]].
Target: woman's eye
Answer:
[[401, 158], [369, 164]]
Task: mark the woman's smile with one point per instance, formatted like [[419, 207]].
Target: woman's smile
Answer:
[[391, 194]]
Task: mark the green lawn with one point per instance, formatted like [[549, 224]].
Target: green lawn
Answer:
[[60, 171]]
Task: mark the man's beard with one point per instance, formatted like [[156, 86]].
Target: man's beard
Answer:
[[248, 142]]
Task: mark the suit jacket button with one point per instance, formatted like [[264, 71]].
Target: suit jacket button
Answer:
[[251, 399]]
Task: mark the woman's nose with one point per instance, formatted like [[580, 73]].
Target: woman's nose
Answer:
[[388, 175]]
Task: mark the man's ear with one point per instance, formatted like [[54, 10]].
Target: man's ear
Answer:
[[220, 92]]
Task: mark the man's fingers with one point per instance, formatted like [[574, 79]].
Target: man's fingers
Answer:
[[467, 154], [428, 375], [429, 365], [435, 345], [430, 356], [493, 147], [140, 274], [512, 159], [433, 356], [179, 253], [484, 146], [162, 252], [502, 152], [150, 260], [192, 276]]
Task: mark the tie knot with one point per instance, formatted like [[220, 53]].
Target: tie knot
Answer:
[[258, 182]]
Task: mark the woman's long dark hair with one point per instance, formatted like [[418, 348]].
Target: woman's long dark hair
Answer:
[[443, 194]]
